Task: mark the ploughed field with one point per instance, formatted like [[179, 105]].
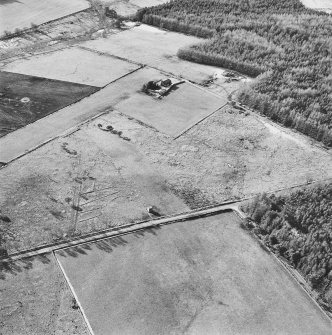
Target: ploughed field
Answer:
[[205, 276], [25, 99]]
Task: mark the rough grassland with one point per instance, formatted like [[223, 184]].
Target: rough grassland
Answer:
[[229, 155], [35, 299], [206, 276], [154, 47], [74, 65], [84, 182], [20, 14], [45, 97]]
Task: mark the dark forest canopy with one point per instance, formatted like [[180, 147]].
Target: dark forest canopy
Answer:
[[299, 228], [287, 46]]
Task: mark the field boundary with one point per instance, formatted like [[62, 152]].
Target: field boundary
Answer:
[[24, 31], [199, 121], [67, 132], [23, 153], [118, 231], [230, 205], [73, 293]]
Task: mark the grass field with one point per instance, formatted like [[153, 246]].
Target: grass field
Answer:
[[154, 47], [73, 65], [174, 113], [206, 276], [35, 299], [20, 14], [25, 99]]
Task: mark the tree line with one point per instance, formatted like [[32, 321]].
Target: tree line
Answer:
[[299, 228], [282, 43]]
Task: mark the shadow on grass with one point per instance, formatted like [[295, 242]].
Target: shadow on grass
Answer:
[[107, 245], [16, 267]]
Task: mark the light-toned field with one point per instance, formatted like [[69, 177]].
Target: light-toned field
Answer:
[[20, 14], [74, 65], [154, 47], [174, 113], [130, 7], [206, 276], [35, 299], [323, 5], [165, 115]]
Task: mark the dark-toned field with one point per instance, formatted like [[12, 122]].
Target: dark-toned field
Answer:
[[25, 99], [206, 276]]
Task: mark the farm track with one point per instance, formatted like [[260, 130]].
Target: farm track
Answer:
[[129, 228]]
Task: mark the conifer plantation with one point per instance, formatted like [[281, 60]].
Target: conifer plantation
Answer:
[[299, 228], [286, 46]]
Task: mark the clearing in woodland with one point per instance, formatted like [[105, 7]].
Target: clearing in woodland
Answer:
[[206, 276]]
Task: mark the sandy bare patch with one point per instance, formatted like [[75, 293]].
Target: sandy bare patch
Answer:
[[323, 5]]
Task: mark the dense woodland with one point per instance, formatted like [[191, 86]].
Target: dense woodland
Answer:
[[287, 46], [299, 228]]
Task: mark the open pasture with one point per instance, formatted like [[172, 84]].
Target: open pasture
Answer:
[[156, 48], [206, 276], [185, 105], [25, 99], [19, 14], [75, 65]]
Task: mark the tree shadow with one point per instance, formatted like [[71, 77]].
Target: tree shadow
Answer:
[[13, 268], [8, 2], [107, 245]]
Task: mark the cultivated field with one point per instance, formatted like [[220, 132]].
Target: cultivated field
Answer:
[[206, 276], [35, 299], [74, 65], [25, 99], [20, 14], [154, 47]]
